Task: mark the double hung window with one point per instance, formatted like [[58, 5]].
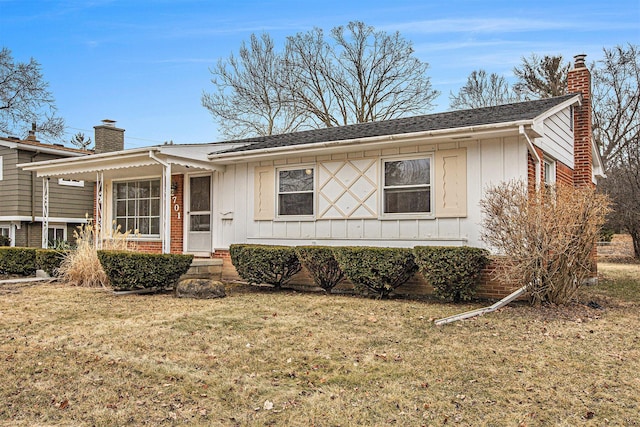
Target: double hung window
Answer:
[[407, 186], [295, 192]]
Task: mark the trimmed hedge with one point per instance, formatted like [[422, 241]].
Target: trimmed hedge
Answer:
[[274, 265], [134, 270], [321, 264], [5, 241], [49, 260], [375, 270], [454, 272], [17, 260]]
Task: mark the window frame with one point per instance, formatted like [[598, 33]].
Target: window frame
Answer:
[[1, 168], [136, 217], [430, 186], [551, 180], [55, 227], [286, 217]]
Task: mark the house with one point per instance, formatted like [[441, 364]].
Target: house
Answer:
[[403, 182], [21, 194]]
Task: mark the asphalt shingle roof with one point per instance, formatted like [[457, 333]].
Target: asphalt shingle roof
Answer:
[[450, 120]]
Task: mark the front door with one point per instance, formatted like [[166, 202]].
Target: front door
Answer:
[[199, 214]]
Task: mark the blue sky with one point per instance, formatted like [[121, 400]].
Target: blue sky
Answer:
[[145, 64]]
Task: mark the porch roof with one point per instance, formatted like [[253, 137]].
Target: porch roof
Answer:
[[141, 162]]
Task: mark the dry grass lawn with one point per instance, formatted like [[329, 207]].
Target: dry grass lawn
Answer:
[[77, 356]]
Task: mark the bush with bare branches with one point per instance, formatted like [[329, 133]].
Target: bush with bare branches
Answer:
[[547, 236]]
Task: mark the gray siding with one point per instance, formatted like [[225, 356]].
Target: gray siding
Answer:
[[64, 201], [9, 184]]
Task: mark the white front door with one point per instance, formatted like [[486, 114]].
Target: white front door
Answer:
[[198, 220]]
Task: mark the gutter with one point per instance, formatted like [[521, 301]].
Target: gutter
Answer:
[[534, 153]]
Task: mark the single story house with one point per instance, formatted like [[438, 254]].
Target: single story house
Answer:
[[403, 182]]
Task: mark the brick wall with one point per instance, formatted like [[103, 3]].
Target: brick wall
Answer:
[[579, 81], [564, 174], [177, 214]]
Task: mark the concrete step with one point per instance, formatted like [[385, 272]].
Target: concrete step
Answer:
[[204, 268]]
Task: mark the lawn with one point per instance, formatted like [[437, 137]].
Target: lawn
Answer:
[[77, 356]]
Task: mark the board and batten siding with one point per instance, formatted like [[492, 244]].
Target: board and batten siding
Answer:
[[246, 197]]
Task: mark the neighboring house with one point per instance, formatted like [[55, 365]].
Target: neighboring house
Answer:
[[403, 182], [21, 194]]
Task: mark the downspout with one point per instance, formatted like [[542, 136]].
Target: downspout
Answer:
[[534, 153], [166, 239]]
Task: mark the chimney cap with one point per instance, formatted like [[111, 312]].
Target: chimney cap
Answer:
[[109, 122], [579, 61]]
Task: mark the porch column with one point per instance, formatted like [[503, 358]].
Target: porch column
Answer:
[[98, 234], [45, 212], [166, 218]]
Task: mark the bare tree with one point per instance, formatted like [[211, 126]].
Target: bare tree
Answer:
[[542, 77], [364, 75], [25, 98], [80, 141], [623, 187], [250, 96], [483, 91], [616, 102], [357, 75]]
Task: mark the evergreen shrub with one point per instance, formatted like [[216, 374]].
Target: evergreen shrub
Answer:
[[5, 241], [376, 271], [50, 260], [321, 264], [17, 260], [274, 265], [454, 272], [134, 270]]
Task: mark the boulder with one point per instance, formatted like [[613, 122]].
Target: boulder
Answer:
[[200, 288]]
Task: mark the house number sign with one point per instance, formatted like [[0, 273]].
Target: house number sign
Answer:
[[176, 206]]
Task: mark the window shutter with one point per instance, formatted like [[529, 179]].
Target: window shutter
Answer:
[[451, 183], [264, 193]]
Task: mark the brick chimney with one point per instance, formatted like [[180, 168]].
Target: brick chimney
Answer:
[[108, 137], [579, 81], [32, 133]]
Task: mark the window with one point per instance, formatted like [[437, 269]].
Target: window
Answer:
[[137, 206], [70, 182], [295, 192], [5, 233], [407, 186], [56, 234], [549, 172]]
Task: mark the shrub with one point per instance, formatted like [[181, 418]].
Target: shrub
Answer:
[[376, 270], [321, 264], [454, 272], [5, 241], [17, 260], [548, 236], [274, 265], [134, 270], [50, 260]]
